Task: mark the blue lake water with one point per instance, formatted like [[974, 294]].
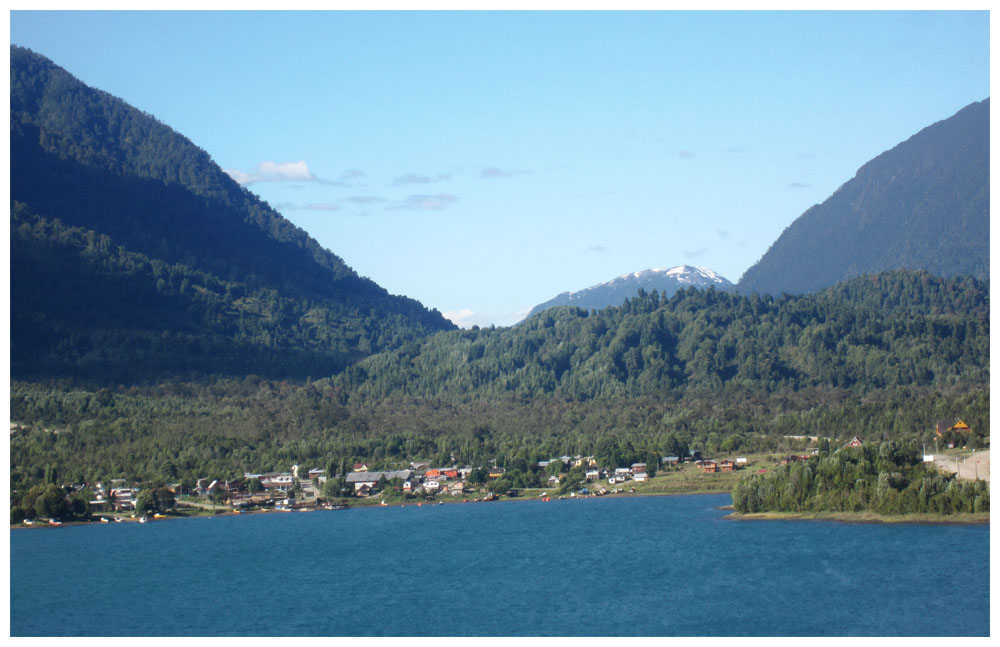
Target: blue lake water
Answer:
[[645, 566]]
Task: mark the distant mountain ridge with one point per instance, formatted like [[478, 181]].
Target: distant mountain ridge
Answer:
[[615, 291], [134, 256], [923, 205]]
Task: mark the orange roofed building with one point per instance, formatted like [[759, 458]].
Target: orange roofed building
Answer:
[[959, 426]]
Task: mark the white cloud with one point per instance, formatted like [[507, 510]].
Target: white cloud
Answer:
[[321, 206], [352, 177], [268, 171], [416, 178], [426, 202], [312, 206], [493, 173]]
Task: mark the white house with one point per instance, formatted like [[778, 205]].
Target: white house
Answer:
[[276, 480]]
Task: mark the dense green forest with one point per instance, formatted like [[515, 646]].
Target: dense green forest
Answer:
[[930, 337], [886, 477], [875, 332], [87, 308], [222, 429], [924, 204], [134, 257]]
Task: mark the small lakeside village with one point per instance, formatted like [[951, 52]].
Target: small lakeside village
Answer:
[[419, 484]]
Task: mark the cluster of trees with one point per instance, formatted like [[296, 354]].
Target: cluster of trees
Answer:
[[50, 501], [897, 329], [887, 478]]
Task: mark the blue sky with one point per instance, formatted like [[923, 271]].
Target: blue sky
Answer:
[[483, 162]]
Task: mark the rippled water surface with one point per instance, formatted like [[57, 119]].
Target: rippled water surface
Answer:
[[644, 566]]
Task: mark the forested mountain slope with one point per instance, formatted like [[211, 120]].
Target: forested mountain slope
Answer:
[[134, 256], [880, 357], [924, 204], [875, 332]]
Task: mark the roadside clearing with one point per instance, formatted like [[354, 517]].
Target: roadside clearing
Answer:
[[972, 467]]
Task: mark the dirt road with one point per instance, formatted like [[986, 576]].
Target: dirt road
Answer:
[[970, 467]]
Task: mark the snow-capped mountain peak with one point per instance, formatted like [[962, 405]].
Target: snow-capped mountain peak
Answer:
[[615, 291]]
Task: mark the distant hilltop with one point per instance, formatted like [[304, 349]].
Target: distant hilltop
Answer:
[[615, 291]]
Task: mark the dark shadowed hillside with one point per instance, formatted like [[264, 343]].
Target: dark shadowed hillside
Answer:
[[134, 256], [921, 205]]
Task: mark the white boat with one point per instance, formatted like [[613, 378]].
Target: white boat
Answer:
[[142, 519]]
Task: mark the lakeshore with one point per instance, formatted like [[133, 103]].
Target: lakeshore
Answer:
[[964, 518], [863, 517], [680, 479]]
